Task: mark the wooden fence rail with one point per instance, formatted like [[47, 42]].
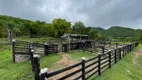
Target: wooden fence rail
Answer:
[[24, 48], [88, 68]]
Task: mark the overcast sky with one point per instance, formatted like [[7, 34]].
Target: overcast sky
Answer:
[[95, 13]]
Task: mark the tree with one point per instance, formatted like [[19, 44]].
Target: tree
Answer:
[[2, 30], [79, 28], [60, 26], [140, 36], [94, 34]]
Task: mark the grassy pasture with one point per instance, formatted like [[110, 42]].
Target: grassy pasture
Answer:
[[123, 70]]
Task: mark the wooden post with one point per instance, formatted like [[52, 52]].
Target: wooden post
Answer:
[[116, 44], [130, 47], [65, 47], [53, 47], [56, 48], [99, 64], [109, 43], [36, 67], [13, 49], [46, 49], [126, 49], [120, 53], [103, 49], [83, 68], [43, 72], [31, 58], [109, 53], [123, 50], [115, 55]]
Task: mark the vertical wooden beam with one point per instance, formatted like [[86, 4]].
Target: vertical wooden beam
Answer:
[[83, 68], [109, 53], [115, 55], [36, 67], [46, 49], [99, 64], [13, 49]]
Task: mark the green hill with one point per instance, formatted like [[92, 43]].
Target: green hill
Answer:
[[117, 31]]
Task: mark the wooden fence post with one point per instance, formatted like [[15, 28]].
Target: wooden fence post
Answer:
[[103, 49], [120, 53], [94, 44], [65, 47], [130, 47], [116, 44], [32, 58], [13, 49], [83, 68], [115, 55], [126, 49], [123, 48], [55, 47], [36, 64], [109, 53], [109, 43], [43, 72], [46, 49], [99, 64]]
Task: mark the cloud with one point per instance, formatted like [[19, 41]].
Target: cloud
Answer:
[[96, 13]]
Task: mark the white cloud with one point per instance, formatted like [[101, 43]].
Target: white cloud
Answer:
[[102, 13]]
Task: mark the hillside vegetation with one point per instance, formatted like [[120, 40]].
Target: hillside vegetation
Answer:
[[23, 27]]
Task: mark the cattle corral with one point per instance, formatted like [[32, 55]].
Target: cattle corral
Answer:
[[108, 54], [100, 63]]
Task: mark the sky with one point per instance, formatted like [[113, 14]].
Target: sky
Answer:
[[94, 13]]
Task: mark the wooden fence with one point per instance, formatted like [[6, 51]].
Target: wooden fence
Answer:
[[20, 47], [24, 48], [83, 45], [86, 68]]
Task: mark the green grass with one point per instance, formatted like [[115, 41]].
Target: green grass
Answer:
[[48, 61], [77, 55], [124, 69], [21, 71]]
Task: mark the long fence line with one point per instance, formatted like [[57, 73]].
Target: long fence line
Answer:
[[86, 68]]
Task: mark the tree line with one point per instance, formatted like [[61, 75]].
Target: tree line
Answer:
[[22, 27]]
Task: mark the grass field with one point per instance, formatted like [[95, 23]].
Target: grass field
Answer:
[[23, 71], [123, 70], [77, 55]]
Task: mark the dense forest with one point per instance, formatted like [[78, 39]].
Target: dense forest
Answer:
[[23, 27]]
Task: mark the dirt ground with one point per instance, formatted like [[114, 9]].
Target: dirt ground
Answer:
[[64, 62], [68, 61]]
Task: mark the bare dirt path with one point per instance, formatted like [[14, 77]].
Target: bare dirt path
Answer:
[[64, 62], [138, 53]]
